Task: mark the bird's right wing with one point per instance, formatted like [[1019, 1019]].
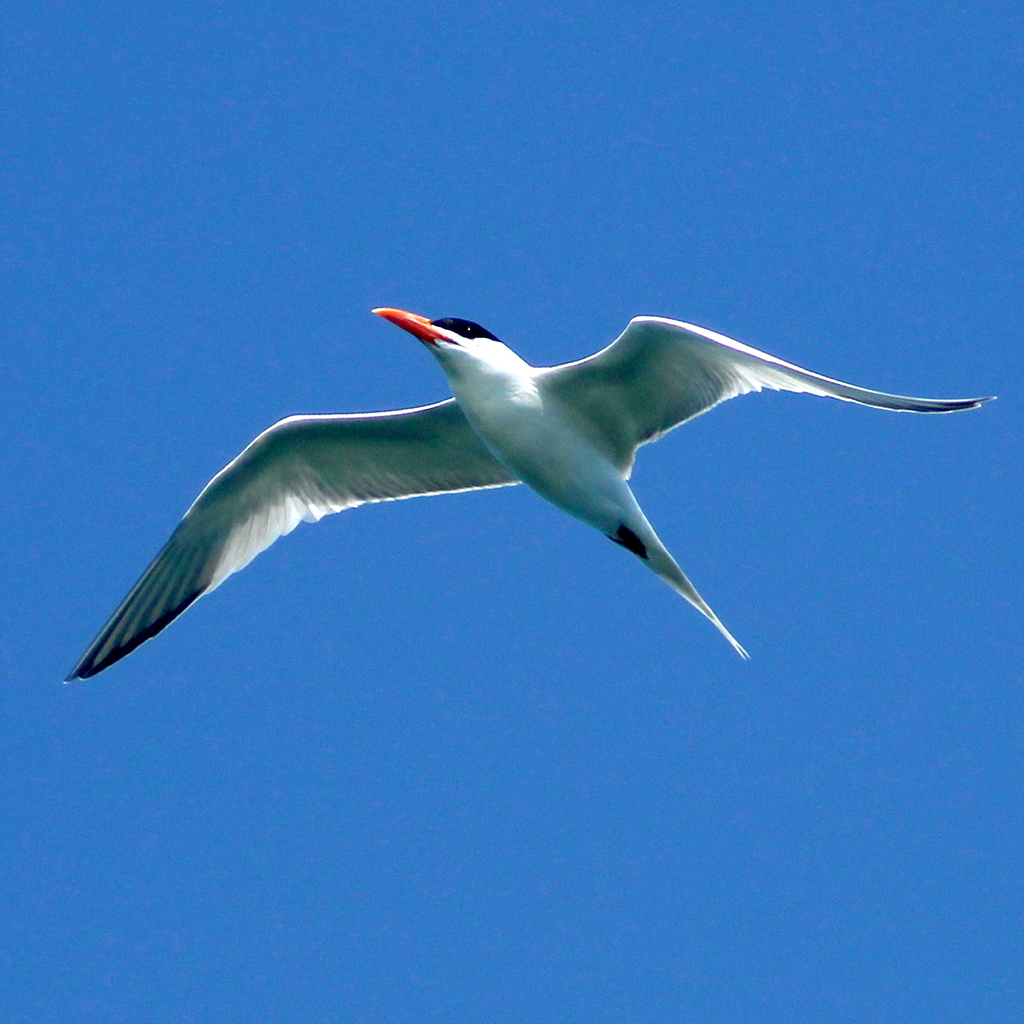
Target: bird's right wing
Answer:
[[659, 373], [303, 468]]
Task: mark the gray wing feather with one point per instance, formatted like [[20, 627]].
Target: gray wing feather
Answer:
[[302, 468], [660, 373]]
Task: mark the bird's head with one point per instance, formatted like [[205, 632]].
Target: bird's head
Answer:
[[457, 344]]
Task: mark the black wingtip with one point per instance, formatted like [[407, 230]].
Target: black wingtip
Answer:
[[944, 404], [971, 403], [90, 666]]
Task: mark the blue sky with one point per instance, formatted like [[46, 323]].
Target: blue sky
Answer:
[[460, 759]]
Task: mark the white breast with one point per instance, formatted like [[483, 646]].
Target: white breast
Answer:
[[534, 438]]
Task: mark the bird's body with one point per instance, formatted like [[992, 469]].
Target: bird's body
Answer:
[[527, 431], [529, 428], [569, 432]]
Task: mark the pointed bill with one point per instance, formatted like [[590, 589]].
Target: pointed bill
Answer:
[[418, 326]]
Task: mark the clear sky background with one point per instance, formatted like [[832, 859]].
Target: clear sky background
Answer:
[[461, 759]]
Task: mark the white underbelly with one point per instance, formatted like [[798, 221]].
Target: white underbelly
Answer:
[[546, 452]]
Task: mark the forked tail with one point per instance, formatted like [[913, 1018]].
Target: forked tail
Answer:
[[655, 555]]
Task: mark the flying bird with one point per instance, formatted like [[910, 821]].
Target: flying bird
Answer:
[[569, 432]]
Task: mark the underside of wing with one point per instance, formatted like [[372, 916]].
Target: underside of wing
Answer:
[[660, 373], [302, 468]]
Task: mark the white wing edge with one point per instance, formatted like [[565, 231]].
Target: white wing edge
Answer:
[[797, 379]]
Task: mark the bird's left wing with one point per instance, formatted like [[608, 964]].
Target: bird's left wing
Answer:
[[660, 373], [303, 468]]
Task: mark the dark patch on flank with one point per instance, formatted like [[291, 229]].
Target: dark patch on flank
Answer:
[[629, 540]]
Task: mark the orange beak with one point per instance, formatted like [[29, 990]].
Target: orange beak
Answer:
[[419, 326]]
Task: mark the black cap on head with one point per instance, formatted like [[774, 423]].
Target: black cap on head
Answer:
[[463, 328]]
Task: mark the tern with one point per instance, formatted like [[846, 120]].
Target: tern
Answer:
[[569, 432]]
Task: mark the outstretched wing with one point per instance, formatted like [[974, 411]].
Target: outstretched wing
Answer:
[[660, 373], [303, 468]]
